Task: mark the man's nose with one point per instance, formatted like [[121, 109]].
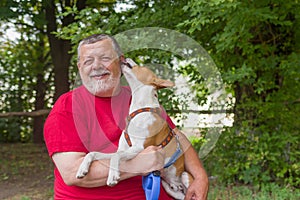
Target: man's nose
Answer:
[[98, 65]]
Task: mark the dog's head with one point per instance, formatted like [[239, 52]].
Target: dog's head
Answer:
[[135, 74]]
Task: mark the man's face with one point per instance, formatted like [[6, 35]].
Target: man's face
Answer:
[[99, 68]]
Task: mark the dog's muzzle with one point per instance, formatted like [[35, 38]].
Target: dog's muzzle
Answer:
[[127, 64]]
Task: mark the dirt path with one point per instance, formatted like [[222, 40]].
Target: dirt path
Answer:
[[26, 172]]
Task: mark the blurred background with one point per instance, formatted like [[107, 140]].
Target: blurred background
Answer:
[[254, 44]]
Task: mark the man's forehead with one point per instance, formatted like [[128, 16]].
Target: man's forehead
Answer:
[[99, 44], [103, 47]]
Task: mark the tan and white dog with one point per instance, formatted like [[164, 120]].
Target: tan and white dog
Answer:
[[145, 127]]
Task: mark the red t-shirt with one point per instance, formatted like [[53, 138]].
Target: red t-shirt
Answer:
[[82, 122]]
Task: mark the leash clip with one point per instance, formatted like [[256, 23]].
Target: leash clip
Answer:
[[156, 173]]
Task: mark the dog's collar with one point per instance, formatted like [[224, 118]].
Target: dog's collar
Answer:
[[176, 154], [147, 109], [154, 110]]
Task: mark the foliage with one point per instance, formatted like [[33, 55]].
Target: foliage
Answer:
[[198, 141], [20, 67], [28, 62], [256, 47], [107, 19]]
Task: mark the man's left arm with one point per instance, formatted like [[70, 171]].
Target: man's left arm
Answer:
[[199, 187]]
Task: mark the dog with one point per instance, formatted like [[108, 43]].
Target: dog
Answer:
[[145, 127]]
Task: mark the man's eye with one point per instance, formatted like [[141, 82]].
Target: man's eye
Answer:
[[87, 62], [105, 59]]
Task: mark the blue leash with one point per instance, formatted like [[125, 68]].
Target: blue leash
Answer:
[[151, 185], [151, 182]]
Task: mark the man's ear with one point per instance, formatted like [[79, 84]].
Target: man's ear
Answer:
[[161, 83], [122, 58]]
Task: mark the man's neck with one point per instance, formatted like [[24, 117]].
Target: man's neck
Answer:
[[110, 93]]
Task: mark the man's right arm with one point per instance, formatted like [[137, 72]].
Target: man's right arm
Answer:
[[67, 163]]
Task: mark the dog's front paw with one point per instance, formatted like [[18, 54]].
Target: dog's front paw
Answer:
[[113, 177], [82, 172], [83, 168]]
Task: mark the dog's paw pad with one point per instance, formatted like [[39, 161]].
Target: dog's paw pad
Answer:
[[113, 178], [113, 183], [81, 174]]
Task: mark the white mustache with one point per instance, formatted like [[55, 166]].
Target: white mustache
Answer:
[[99, 73]]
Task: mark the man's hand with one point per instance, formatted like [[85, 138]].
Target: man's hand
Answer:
[[197, 190], [199, 187], [150, 159]]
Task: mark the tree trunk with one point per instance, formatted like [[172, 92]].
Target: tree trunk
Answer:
[[38, 123], [40, 88], [241, 112], [60, 48]]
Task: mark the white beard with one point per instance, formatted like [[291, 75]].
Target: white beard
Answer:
[[101, 86]]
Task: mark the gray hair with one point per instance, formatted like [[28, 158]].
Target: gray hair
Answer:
[[99, 37]]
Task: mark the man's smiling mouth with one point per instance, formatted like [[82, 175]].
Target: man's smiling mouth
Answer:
[[100, 75]]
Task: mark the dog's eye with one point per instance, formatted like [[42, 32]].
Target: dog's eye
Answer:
[[155, 95]]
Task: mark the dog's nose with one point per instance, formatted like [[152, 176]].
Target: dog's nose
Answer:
[[127, 64]]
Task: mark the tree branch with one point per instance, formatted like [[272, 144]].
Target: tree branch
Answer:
[[200, 111], [36, 113]]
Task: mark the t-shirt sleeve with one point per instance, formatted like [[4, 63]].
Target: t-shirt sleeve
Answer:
[[167, 118], [60, 131], [170, 122]]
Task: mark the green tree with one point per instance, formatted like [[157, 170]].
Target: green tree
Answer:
[[25, 65], [22, 86], [59, 48], [255, 44], [36, 21], [256, 47], [111, 18]]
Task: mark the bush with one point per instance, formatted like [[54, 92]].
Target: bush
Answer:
[[256, 158]]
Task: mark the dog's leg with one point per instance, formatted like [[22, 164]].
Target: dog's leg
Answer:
[[124, 152], [175, 194], [186, 179], [114, 173], [88, 159], [172, 183]]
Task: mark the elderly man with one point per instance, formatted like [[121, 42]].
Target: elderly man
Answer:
[[91, 118]]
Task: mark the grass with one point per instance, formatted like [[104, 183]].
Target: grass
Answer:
[[242, 192], [268, 192], [26, 174]]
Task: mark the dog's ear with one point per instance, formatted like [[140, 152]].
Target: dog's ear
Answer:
[[161, 83]]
